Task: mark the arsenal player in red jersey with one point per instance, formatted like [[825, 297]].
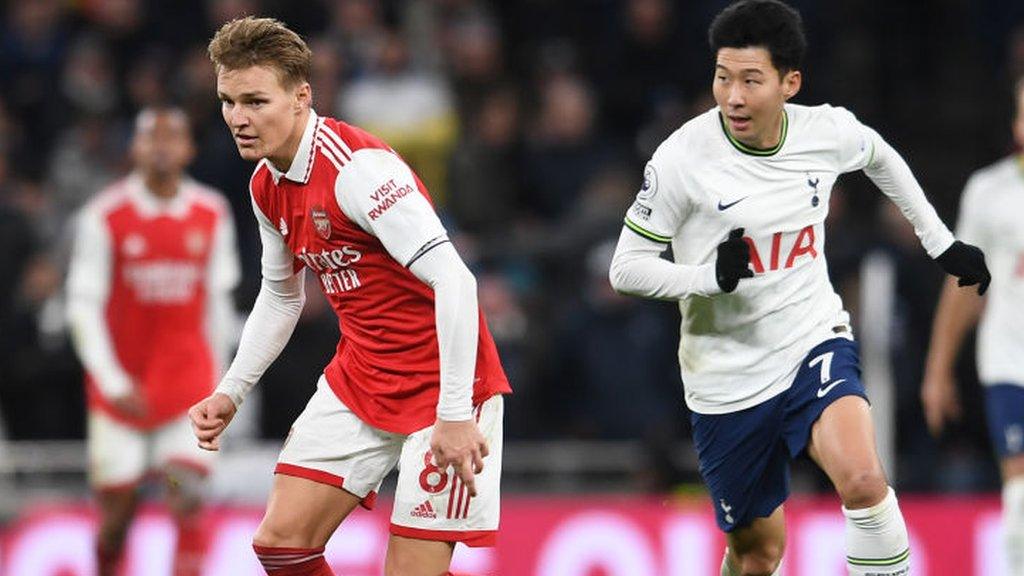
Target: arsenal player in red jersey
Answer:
[[149, 305], [416, 380]]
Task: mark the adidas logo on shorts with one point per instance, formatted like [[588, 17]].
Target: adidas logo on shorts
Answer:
[[424, 510]]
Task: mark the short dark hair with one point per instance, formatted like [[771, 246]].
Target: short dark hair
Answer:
[[768, 24]]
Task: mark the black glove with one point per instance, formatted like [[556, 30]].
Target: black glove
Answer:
[[967, 263], [733, 261]]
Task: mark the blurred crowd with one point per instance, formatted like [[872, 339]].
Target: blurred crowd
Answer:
[[530, 122]]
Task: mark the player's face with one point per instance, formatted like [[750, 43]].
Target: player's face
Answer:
[[162, 145], [751, 92], [265, 117]]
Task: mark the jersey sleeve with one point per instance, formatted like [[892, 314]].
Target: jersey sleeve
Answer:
[[379, 192], [277, 262], [856, 142], [863, 148], [223, 272], [90, 267], [88, 288], [224, 268], [661, 206], [970, 223]]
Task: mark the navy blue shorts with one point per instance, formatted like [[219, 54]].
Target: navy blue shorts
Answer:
[[1004, 407], [744, 456]]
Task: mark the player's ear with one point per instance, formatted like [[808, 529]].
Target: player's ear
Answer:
[[791, 82], [190, 151], [303, 96], [1018, 121]]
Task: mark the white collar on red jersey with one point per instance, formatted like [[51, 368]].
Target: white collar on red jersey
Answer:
[[150, 205], [302, 164]]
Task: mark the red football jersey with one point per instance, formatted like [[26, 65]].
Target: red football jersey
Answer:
[[151, 265], [352, 211]]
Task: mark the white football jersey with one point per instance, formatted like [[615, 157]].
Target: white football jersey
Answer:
[[739, 349], [990, 211]]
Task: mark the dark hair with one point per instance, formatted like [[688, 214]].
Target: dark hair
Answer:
[[768, 24]]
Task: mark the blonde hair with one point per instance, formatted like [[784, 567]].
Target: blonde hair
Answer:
[[251, 41]]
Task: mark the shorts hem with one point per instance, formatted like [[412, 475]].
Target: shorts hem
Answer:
[[368, 501], [471, 538], [750, 520], [797, 451]]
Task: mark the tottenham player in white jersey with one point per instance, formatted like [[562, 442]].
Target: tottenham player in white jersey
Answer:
[[766, 352], [990, 211]]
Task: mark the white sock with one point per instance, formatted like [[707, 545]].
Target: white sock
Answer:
[[1013, 525], [727, 572], [876, 540]]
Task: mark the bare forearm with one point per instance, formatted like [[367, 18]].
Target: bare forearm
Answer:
[[957, 312]]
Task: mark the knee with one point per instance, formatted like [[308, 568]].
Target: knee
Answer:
[[113, 533], [271, 535], [761, 561], [184, 490], [184, 506], [863, 489], [113, 528]]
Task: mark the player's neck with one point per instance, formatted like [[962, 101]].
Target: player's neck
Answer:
[[769, 137], [283, 160], [163, 187]]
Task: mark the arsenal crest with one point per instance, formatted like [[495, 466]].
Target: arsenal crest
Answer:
[[195, 242], [321, 222]]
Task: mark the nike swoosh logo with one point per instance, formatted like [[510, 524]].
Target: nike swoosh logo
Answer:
[[730, 204], [823, 391]]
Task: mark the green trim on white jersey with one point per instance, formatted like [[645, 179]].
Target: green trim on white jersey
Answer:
[[750, 149], [649, 235]]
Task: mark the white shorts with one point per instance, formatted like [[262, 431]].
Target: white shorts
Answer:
[[330, 444], [120, 456]]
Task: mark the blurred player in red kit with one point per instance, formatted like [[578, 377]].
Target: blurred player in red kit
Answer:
[[416, 380], [149, 306]]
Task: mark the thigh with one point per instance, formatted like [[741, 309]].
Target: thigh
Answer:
[[117, 453], [303, 513], [829, 372], [743, 462], [843, 445], [433, 504], [330, 445], [415, 557]]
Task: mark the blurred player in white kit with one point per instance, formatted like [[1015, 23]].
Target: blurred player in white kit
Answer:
[[991, 209]]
